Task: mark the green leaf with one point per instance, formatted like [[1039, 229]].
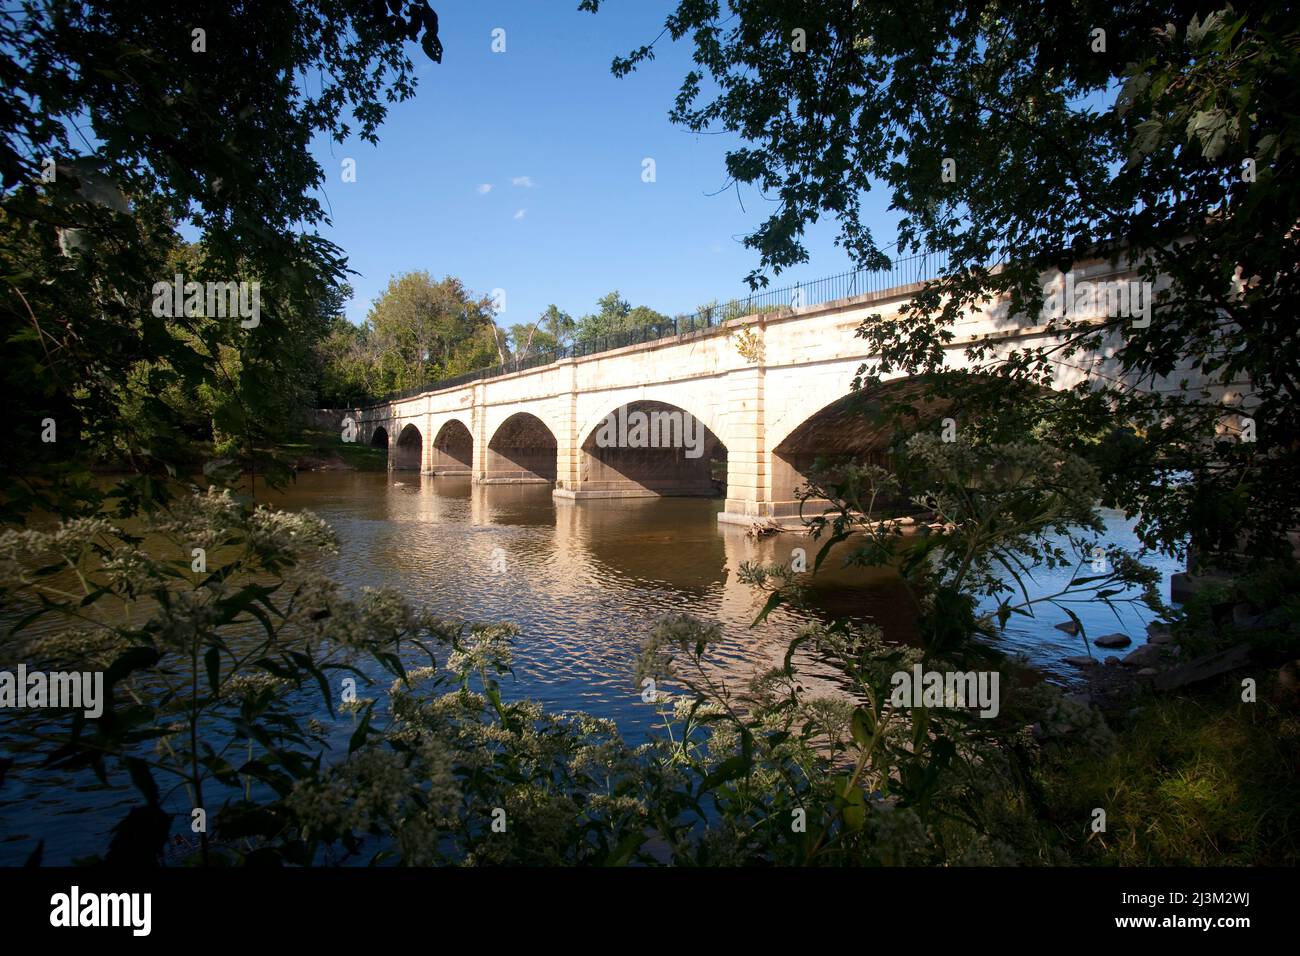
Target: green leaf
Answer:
[[142, 777], [626, 847], [212, 661], [863, 726], [359, 735], [920, 728], [1147, 138], [855, 813], [774, 600]]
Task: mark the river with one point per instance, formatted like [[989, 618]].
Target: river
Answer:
[[584, 582]]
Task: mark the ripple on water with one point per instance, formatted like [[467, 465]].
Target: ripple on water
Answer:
[[585, 583]]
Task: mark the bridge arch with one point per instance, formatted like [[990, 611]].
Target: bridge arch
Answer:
[[698, 398], [803, 396], [379, 438], [453, 449], [651, 447], [522, 450], [855, 427], [408, 451]]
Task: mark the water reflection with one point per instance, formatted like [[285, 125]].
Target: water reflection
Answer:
[[585, 582]]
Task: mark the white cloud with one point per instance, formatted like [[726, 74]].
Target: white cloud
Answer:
[[525, 181], [519, 214], [484, 188]]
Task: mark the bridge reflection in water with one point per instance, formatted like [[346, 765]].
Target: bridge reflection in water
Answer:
[[587, 583]]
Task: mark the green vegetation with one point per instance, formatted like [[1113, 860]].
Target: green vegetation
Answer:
[[1194, 780], [255, 642], [553, 330], [317, 447], [417, 331], [615, 315], [140, 150]]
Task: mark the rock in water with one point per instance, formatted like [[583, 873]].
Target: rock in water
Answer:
[[1069, 627], [1114, 640]]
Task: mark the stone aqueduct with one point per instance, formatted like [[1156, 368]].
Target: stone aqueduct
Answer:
[[769, 411]]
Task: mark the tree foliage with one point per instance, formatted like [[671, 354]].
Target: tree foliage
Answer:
[[120, 126], [553, 330], [419, 330], [1166, 141], [613, 315]]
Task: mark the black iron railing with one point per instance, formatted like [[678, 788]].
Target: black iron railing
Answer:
[[912, 269]]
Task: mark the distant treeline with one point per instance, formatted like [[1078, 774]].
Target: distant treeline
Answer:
[[419, 330]]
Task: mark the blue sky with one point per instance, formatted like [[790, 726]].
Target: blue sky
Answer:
[[582, 222]]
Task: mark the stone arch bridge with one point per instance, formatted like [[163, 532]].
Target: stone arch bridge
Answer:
[[757, 399]]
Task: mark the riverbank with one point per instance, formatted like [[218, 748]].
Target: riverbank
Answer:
[[318, 449], [1198, 776], [1193, 775], [1205, 766]]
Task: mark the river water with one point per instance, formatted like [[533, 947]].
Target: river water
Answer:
[[584, 582]]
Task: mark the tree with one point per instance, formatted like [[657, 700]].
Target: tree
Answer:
[[615, 315], [529, 340], [119, 123], [345, 365], [552, 330], [998, 136], [558, 325], [421, 330]]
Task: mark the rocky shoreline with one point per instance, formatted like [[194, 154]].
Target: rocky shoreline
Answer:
[[1160, 665]]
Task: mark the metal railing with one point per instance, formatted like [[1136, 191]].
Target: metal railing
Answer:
[[902, 272]]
